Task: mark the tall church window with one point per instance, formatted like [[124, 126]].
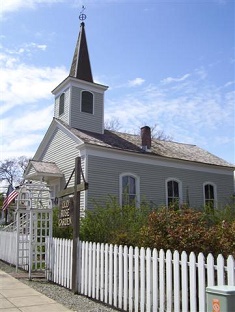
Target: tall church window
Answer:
[[173, 193], [129, 190], [209, 195], [87, 102], [61, 104]]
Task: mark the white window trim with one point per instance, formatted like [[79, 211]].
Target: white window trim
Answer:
[[93, 106], [215, 193], [137, 180], [180, 190]]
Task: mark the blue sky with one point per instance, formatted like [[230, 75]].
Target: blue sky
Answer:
[[168, 62]]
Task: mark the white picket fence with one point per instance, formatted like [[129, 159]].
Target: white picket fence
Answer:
[[10, 244], [8, 247], [133, 279]]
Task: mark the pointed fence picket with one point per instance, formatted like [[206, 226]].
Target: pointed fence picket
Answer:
[[59, 262], [136, 260], [134, 279], [184, 279], [176, 280]]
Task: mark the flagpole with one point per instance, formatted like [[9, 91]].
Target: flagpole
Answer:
[[6, 213]]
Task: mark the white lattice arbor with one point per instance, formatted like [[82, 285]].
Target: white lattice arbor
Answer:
[[34, 221]]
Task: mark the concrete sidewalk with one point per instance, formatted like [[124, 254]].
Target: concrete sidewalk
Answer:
[[16, 296]]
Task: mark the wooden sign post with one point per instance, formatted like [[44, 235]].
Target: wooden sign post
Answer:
[[76, 225], [78, 187]]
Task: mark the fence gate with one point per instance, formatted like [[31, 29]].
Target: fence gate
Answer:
[[34, 224]]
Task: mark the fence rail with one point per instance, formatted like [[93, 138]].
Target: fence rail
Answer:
[[134, 279]]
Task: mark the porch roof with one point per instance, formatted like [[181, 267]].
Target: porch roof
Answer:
[[38, 170]]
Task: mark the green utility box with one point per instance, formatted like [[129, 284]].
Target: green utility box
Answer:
[[220, 298]]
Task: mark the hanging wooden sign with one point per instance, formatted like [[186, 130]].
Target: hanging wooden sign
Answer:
[[65, 212]]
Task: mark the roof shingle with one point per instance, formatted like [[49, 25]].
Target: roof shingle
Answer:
[[132, 143]]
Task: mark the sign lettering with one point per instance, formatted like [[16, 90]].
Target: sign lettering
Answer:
[[65, 212]]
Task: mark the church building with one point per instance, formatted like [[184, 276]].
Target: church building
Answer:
[[131, 168]]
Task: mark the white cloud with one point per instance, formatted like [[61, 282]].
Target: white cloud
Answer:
[[24, 49], [136, 82], [26, 103], [22, 134], [15, 5], [23, 84], [29, 48], [201, 72], [25, 122], [171, 79], [189, 109], [229, 83], [129, 84], [9, 6]]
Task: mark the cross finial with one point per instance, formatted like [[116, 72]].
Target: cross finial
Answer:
[[82, 16]]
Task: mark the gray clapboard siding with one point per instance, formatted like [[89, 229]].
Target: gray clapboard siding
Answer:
[[103, 178], [32, 171], [86, 121], [62, 150], [65, 116]]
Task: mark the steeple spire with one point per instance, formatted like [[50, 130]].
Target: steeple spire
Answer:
[[81, 67], [79, 102]]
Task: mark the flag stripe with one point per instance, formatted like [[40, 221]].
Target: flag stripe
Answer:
[[9, 199]]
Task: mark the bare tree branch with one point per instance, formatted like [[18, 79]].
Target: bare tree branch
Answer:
[[11, 170], [159, 134], [112, 124]]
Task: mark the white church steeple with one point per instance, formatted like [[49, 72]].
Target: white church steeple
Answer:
[[78, 100]]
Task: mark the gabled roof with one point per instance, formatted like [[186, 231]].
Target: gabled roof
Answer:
[[132, 143], [80, 67], [38, 169]]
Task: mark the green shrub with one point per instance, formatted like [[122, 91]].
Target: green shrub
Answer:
[[113, 224], [207, 231], [188, 230]]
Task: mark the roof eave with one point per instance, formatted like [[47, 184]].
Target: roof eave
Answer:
[[152, 154], [76, 81]]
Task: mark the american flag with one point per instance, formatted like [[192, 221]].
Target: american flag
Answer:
[[11, 195]]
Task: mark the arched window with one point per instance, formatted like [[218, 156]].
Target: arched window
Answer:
[[209, 190], [61, 104], [129, 189], [87, 102], [173, 193]]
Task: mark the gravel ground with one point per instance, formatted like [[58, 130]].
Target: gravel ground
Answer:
[[60, 294]]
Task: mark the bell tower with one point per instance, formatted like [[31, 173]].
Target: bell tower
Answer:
[[79, 101]]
